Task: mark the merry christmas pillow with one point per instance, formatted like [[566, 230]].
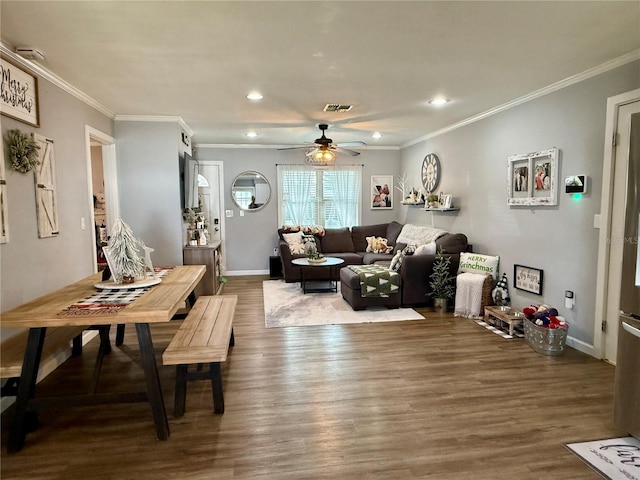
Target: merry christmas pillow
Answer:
[[477, 263]]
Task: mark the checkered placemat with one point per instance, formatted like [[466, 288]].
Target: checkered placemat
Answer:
[[110, 302]]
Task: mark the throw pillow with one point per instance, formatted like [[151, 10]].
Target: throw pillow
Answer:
[[428, 249], [396, 261], [309, 244], [378, 245], [291, 228], [314, 230], [294, 240], [476, 263]]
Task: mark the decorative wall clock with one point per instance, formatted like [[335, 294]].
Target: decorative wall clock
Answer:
[[430, 172]]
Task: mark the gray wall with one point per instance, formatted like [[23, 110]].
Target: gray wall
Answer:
[[250, 240], [561, 239], [32, 266], [149, 186]]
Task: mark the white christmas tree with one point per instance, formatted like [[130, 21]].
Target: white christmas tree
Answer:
[[123, 252]]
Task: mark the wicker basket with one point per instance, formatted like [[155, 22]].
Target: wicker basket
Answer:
[[547, 341]]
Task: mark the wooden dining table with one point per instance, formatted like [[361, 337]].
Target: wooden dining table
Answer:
[[158, 304]]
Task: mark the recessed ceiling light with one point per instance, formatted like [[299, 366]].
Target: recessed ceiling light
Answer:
[[438, 101], [255, 96], [376, 135], [251, 134]]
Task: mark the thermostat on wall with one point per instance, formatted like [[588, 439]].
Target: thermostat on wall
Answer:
[[575, 184]]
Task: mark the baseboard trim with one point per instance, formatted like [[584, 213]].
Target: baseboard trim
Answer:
[[582, 346], [239, 273]]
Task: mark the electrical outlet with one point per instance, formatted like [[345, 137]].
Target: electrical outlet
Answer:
[[83, 224], [228, 213]]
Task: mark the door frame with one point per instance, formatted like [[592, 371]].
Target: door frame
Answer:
[[220, 165], [606, 203], [109, 170]]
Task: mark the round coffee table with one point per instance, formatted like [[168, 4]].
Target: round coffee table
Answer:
[[317, 286]]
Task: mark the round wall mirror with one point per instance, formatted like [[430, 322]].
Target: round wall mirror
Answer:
[[251, 191]]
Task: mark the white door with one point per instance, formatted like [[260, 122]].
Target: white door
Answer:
[[210, 193], [620, 169]]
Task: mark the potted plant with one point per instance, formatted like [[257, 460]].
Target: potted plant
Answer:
[[441, 283]]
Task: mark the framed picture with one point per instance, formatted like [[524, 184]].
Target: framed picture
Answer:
[[19, 94], [532, 178], [528, 279], [447, 201], [381, 191]]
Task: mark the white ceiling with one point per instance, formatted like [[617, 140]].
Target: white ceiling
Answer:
[[199, 59]]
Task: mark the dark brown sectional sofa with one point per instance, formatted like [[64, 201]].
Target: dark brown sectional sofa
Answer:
[[351, 244]]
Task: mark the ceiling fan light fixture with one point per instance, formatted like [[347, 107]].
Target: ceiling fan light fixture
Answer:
[[376, 135], [255, 96], [251, 134]]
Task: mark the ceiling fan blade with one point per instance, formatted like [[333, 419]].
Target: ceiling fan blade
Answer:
[[353, 153], [351, 144], [295, 148]]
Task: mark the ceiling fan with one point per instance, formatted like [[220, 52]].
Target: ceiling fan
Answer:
[[322, 150]]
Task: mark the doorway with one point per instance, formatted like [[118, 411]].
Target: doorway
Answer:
[[102, 187], [614, 183], [210, 194]]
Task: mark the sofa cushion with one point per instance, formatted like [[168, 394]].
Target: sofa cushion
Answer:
[[359, 234], [393, 231], [354, 258], [337, 240], [452, 243], [371, 258]]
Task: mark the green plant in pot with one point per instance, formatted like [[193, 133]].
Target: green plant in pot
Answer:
[[441, 282]]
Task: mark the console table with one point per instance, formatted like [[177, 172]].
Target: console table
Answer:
[[208, 255]]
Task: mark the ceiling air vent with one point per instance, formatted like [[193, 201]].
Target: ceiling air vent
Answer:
[[336, 107]]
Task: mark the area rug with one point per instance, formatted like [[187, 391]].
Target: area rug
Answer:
[[286, 306], [615, 458]]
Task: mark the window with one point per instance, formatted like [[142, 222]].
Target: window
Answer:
[[312, 196]]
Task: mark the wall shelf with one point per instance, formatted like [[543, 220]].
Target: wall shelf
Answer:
[[452, 209], [417, 204]]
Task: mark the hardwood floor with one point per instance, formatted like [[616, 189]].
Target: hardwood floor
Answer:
[[440, 398]]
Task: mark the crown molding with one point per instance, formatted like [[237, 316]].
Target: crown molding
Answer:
[[272, 147], [156, 118], [580, 77], [48, 75]]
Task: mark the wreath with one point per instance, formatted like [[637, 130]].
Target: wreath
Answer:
[[23, 151]]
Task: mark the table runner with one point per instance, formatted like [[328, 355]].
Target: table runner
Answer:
[[110, 302]]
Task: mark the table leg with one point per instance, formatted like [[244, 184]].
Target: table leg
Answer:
[[154, 391], [26, 388]]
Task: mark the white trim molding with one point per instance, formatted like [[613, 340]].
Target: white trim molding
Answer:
[[606, 201], [592, 72], [257, 145], [156, 118], [48, 75]]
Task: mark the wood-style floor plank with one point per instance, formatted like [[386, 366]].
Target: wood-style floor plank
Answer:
[[440, 398]]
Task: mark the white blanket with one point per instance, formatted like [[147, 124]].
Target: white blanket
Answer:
[[469, 295], [419, 234]]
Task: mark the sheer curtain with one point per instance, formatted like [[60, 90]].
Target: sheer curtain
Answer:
[[296, 194], [319, 196], [345, 184]]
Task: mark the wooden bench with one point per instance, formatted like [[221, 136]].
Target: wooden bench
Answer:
[[12, 352], [204, 337]]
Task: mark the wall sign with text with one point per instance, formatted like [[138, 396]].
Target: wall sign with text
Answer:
[[528, 279], [19, 94]]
